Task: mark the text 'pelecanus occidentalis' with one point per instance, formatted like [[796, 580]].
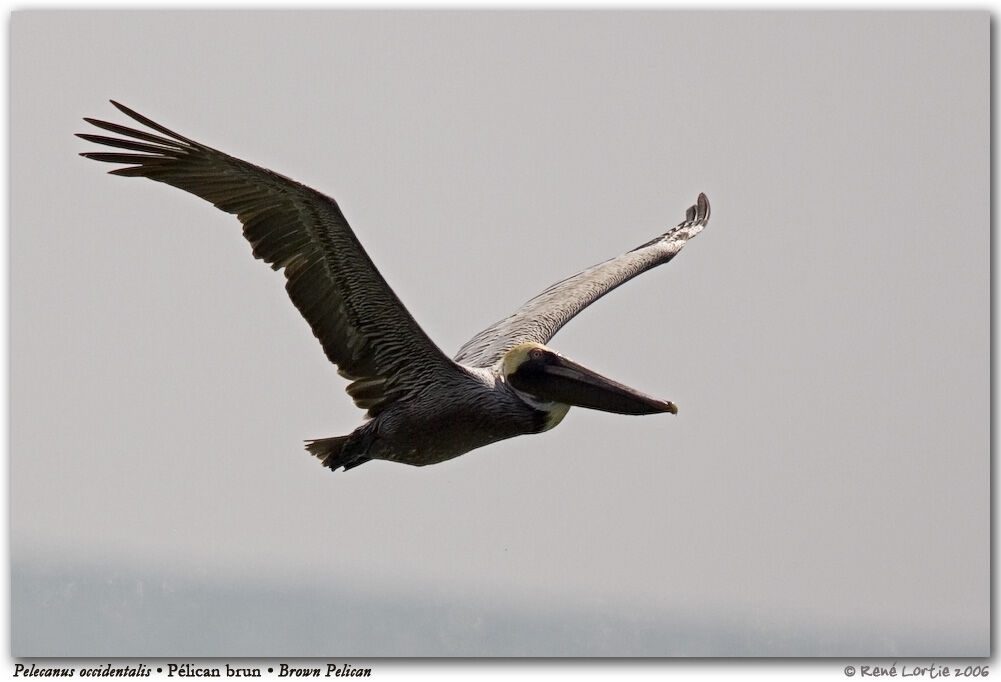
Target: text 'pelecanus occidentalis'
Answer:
[[422, 407]]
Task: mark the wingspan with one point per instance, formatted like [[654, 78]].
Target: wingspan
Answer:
[[540, 318], [362, 326]]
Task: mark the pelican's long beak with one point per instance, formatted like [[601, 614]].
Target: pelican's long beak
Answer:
[[551, 376]]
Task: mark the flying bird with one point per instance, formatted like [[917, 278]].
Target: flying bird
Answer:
[[422, 407]]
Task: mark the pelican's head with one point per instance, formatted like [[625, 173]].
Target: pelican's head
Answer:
[[545, 376]]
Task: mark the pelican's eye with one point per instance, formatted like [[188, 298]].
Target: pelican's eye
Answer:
[[537, 354]]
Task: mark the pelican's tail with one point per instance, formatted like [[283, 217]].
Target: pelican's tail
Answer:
[[331, 454]]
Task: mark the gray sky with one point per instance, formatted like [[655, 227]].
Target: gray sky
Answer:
[[826, 337]]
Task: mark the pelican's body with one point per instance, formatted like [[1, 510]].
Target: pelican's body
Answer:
[[474, 409], [422, 407]]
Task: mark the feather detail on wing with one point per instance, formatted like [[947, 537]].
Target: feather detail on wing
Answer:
[[540, 318], [362, 326]]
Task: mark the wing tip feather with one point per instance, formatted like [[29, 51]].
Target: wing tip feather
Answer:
[[697, 214], [702, 209], [149, 123]]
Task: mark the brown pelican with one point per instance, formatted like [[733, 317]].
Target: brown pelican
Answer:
[[422, 407]]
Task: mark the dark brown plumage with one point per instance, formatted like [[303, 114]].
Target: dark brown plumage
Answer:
[[423, 407]]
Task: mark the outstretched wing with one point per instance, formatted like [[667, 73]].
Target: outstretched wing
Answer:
[[540, 318], [363, 327]]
